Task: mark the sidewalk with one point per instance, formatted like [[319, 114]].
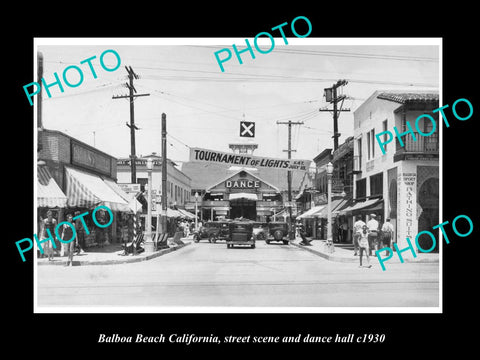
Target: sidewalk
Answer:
[[111, 255], [342, 254]]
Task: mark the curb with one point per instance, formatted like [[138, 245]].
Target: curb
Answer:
[[325, 256], [123, 260], [355, 259]]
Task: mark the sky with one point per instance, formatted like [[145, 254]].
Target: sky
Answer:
[[204, 106]]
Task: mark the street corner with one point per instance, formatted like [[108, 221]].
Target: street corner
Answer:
[[111, 258]]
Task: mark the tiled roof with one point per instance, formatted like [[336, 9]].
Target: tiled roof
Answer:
[[405, 97]]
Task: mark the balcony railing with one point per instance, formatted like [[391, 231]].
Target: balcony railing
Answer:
[[424, 144]]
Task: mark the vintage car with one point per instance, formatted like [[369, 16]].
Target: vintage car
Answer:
[[213, 231], [241, 233], [277, 231]]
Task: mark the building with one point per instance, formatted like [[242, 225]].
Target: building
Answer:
[[84, 175], [225, 191], [403, 183], [178, 183], [315, 217]]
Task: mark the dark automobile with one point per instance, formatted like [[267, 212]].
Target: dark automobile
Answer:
[[213, 231], [241, 233], [277, 231]]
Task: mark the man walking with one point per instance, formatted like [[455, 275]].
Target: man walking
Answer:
[[372, 226], [357, 229]]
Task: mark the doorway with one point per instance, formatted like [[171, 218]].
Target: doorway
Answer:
[[244, 208]]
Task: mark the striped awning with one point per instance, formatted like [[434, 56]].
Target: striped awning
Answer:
[[49, 193], [134, 205], [88, 190]]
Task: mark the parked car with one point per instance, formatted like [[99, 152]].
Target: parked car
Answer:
[[260, 230], [213, 231], [221, 231], [241, 233], [277, 231]]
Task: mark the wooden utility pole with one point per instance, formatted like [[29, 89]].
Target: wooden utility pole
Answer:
[[131, 96], [332, 97], [289, 173], [164, 174]]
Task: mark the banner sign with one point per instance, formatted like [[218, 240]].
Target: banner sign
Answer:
[[218, 157]]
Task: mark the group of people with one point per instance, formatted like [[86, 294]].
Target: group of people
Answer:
[[70, 246], [187, 226], [368, 236]]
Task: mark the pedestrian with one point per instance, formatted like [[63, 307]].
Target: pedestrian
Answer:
[[372, 225], [68, 235], [364, 245], [357, 229], [80, 234], [387, 230], [301, 231], [344, 230], [49, 223]]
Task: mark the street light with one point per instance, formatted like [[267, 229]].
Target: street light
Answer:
[[329, 244], [149, 246], [196, 211]]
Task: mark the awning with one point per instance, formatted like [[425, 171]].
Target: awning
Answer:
[[186, 214], [311, 213], [171, 213], [242, 195], [88, 190], [133, 204], [49, 193], [365, 205], [335, 205]]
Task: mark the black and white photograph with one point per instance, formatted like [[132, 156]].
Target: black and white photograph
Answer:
[[217, 179], [274, 175]]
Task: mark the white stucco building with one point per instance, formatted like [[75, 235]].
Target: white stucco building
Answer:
[[404, 181]]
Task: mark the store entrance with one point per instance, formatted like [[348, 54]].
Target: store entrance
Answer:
[[244, 208]]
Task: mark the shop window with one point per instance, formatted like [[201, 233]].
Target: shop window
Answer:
[[376, 184], [361, 188]]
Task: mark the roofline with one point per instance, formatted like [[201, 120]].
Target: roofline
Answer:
[[248, 172]]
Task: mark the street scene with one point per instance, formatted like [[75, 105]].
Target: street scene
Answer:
[[166, 185]]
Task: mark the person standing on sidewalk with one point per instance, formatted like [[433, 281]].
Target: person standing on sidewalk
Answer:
[[363, 244], [357, 229], [49, 223], [387, 230], [67, 235], [80, 234], [372, 225]]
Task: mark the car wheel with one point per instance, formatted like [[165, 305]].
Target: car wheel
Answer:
[[285, 242], [253, 246], [267, 241], [278, 235]]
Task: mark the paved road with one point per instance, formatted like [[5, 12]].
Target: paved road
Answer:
[[210, 275]]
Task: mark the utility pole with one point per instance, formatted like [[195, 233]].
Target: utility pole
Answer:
[[131, 96], [289, 173], [332, 96], [39, 100], [164, 174]]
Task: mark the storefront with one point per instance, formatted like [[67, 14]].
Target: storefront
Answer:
[[86, 178], [240, 195]]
